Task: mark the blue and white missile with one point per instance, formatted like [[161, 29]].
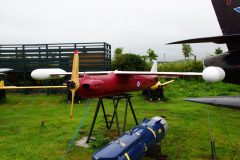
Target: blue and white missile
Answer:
[[133, 144]]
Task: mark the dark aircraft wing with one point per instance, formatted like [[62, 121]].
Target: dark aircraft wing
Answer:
[[218, 39], [228, 13], [226, 101]]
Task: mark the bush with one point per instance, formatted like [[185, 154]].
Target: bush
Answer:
[[181, 66], [129, 62]]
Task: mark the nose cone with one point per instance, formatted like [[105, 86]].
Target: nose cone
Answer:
[[162, 121], [213, 74], [37, 74]]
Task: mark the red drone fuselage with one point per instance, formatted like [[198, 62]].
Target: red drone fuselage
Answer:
[[113, 84]]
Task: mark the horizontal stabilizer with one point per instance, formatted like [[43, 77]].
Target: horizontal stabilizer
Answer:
[[159, 84], [235, 38], [165, 83]]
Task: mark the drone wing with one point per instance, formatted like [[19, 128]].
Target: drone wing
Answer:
[[2, 86], [119, 73], [31, 87], [171, 74]]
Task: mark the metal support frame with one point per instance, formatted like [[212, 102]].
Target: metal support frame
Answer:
[[2, 94], [115, 100], [213, 150], [153, 95]]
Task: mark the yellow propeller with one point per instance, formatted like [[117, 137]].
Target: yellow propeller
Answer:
[[74, 84]]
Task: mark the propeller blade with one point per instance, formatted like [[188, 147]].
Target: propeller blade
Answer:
[[72, 103], [75, 67], [74, 84]]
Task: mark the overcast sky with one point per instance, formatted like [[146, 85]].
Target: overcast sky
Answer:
[[135, 25]]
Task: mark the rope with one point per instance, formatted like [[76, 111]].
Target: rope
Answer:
[[211, 139], [209, 121], [225, 127], [223, 122], [209, 125], [81, 122]]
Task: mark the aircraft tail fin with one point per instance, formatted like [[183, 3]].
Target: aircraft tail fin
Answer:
[[228, 15], [154, 66]]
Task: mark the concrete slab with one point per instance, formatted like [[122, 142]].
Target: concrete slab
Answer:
[[82, 143]]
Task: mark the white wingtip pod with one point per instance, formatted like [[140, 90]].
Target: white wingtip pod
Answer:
[[46, 73], [5, 69], [213, 74]]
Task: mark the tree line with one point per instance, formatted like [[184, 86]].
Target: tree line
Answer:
[[188, 52], [133, 62]]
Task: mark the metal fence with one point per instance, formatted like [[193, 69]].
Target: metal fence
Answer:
[[24, 58], [27, 57]]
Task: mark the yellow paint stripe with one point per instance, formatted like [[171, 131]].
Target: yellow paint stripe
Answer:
[[127, 156], [152, 131]]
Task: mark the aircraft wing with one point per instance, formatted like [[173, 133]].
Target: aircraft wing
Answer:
[[82, 73], [226, 101], [135, 73], [158, 73], [31, 87], [96, 72], [233, 38]]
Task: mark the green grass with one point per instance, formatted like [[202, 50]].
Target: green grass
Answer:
[[23, 137]]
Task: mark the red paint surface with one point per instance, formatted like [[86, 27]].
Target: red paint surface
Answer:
[[76, 52], [112, 84], [229, 2]]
